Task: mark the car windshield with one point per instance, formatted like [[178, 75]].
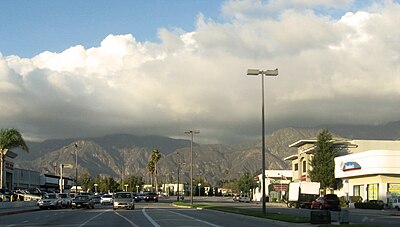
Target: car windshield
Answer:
[[107, 196], [63, 195], [123, 195], [51, 196], [82, 197]]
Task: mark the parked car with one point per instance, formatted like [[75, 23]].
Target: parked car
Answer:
[[82, 201], [49, 201], [106, 199], [96, 198], [151, 196], [396, 203], [65, 200], [124, 200], [327, 202], [236, 197], [244, 198]]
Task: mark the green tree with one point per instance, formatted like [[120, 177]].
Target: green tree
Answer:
[[132, 182], [323, 163], [155, 157], [150, 170], [85, 181], [246, 182], [9, 138]]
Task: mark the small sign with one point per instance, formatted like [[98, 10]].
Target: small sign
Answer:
[[351, 166]]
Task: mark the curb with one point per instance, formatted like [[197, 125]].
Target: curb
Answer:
[[187, 207], [18, 211]]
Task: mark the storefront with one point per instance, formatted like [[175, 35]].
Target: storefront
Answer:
[[372, 174], [276, 185]]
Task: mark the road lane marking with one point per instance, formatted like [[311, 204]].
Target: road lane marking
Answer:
[[196, 219], [126, 219], [92, 218], [151, 220]]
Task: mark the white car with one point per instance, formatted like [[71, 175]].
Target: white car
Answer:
[[65, 200], [396, 203], [50, 200], [244, 198], [124, 200], [106, 199]]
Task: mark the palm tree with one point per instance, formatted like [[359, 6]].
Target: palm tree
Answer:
[[9, 138], [150, 170], [155, 157]]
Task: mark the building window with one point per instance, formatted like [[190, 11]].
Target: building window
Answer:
[[373, 192], [304, 166], [356, 190], [296, 167], [394, 189]]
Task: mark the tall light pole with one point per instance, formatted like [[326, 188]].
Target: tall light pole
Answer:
[[256, 72], [191, 132], [76, 168]]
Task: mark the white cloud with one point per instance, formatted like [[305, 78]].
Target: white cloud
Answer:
[[197, 78]]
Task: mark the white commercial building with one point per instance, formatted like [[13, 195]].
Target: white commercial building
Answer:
[[367, 168], [276, 184], [372, 174]]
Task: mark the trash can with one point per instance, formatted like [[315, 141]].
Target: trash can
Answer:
[[321, 217], [344, 217]]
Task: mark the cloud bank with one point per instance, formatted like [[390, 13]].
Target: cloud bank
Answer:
[[331, 70]]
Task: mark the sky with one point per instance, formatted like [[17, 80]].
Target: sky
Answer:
[[72, 69]]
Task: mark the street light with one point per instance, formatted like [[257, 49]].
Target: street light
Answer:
[[137, 189], [76, 167], [126, 187], [95, 188], [191, 132], [256, 72], [177, 189]]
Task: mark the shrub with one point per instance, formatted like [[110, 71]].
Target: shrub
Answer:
[[372, 204], [355, 199]]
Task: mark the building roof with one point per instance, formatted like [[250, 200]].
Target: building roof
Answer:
[[291, 157], [300, 143], [11, 154]]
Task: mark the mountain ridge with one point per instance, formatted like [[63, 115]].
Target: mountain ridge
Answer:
[[122, 155]]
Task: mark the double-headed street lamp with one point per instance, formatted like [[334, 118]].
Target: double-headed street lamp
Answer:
[[191, 132], [256, 72]]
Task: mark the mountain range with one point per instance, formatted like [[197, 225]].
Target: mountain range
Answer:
[[122, 155]]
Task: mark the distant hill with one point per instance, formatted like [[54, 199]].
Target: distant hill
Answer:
[[389, 131], [123, 154]]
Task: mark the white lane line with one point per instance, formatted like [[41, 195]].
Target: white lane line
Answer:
[[196, 219], [126, 219], [92, 218], [151, 220]]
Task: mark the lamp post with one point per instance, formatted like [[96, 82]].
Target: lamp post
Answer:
[[191, 132], [95, 188], [256, 72], [137, 189], [177, 189], [76, 167], [126, 187]]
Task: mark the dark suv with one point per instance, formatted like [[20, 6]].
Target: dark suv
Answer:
[[328, 202], [151, 196]]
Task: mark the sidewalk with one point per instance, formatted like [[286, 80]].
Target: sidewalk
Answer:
[[8, 208]]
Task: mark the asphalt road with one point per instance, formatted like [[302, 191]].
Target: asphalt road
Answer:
[[164, 214], [145, 214]]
